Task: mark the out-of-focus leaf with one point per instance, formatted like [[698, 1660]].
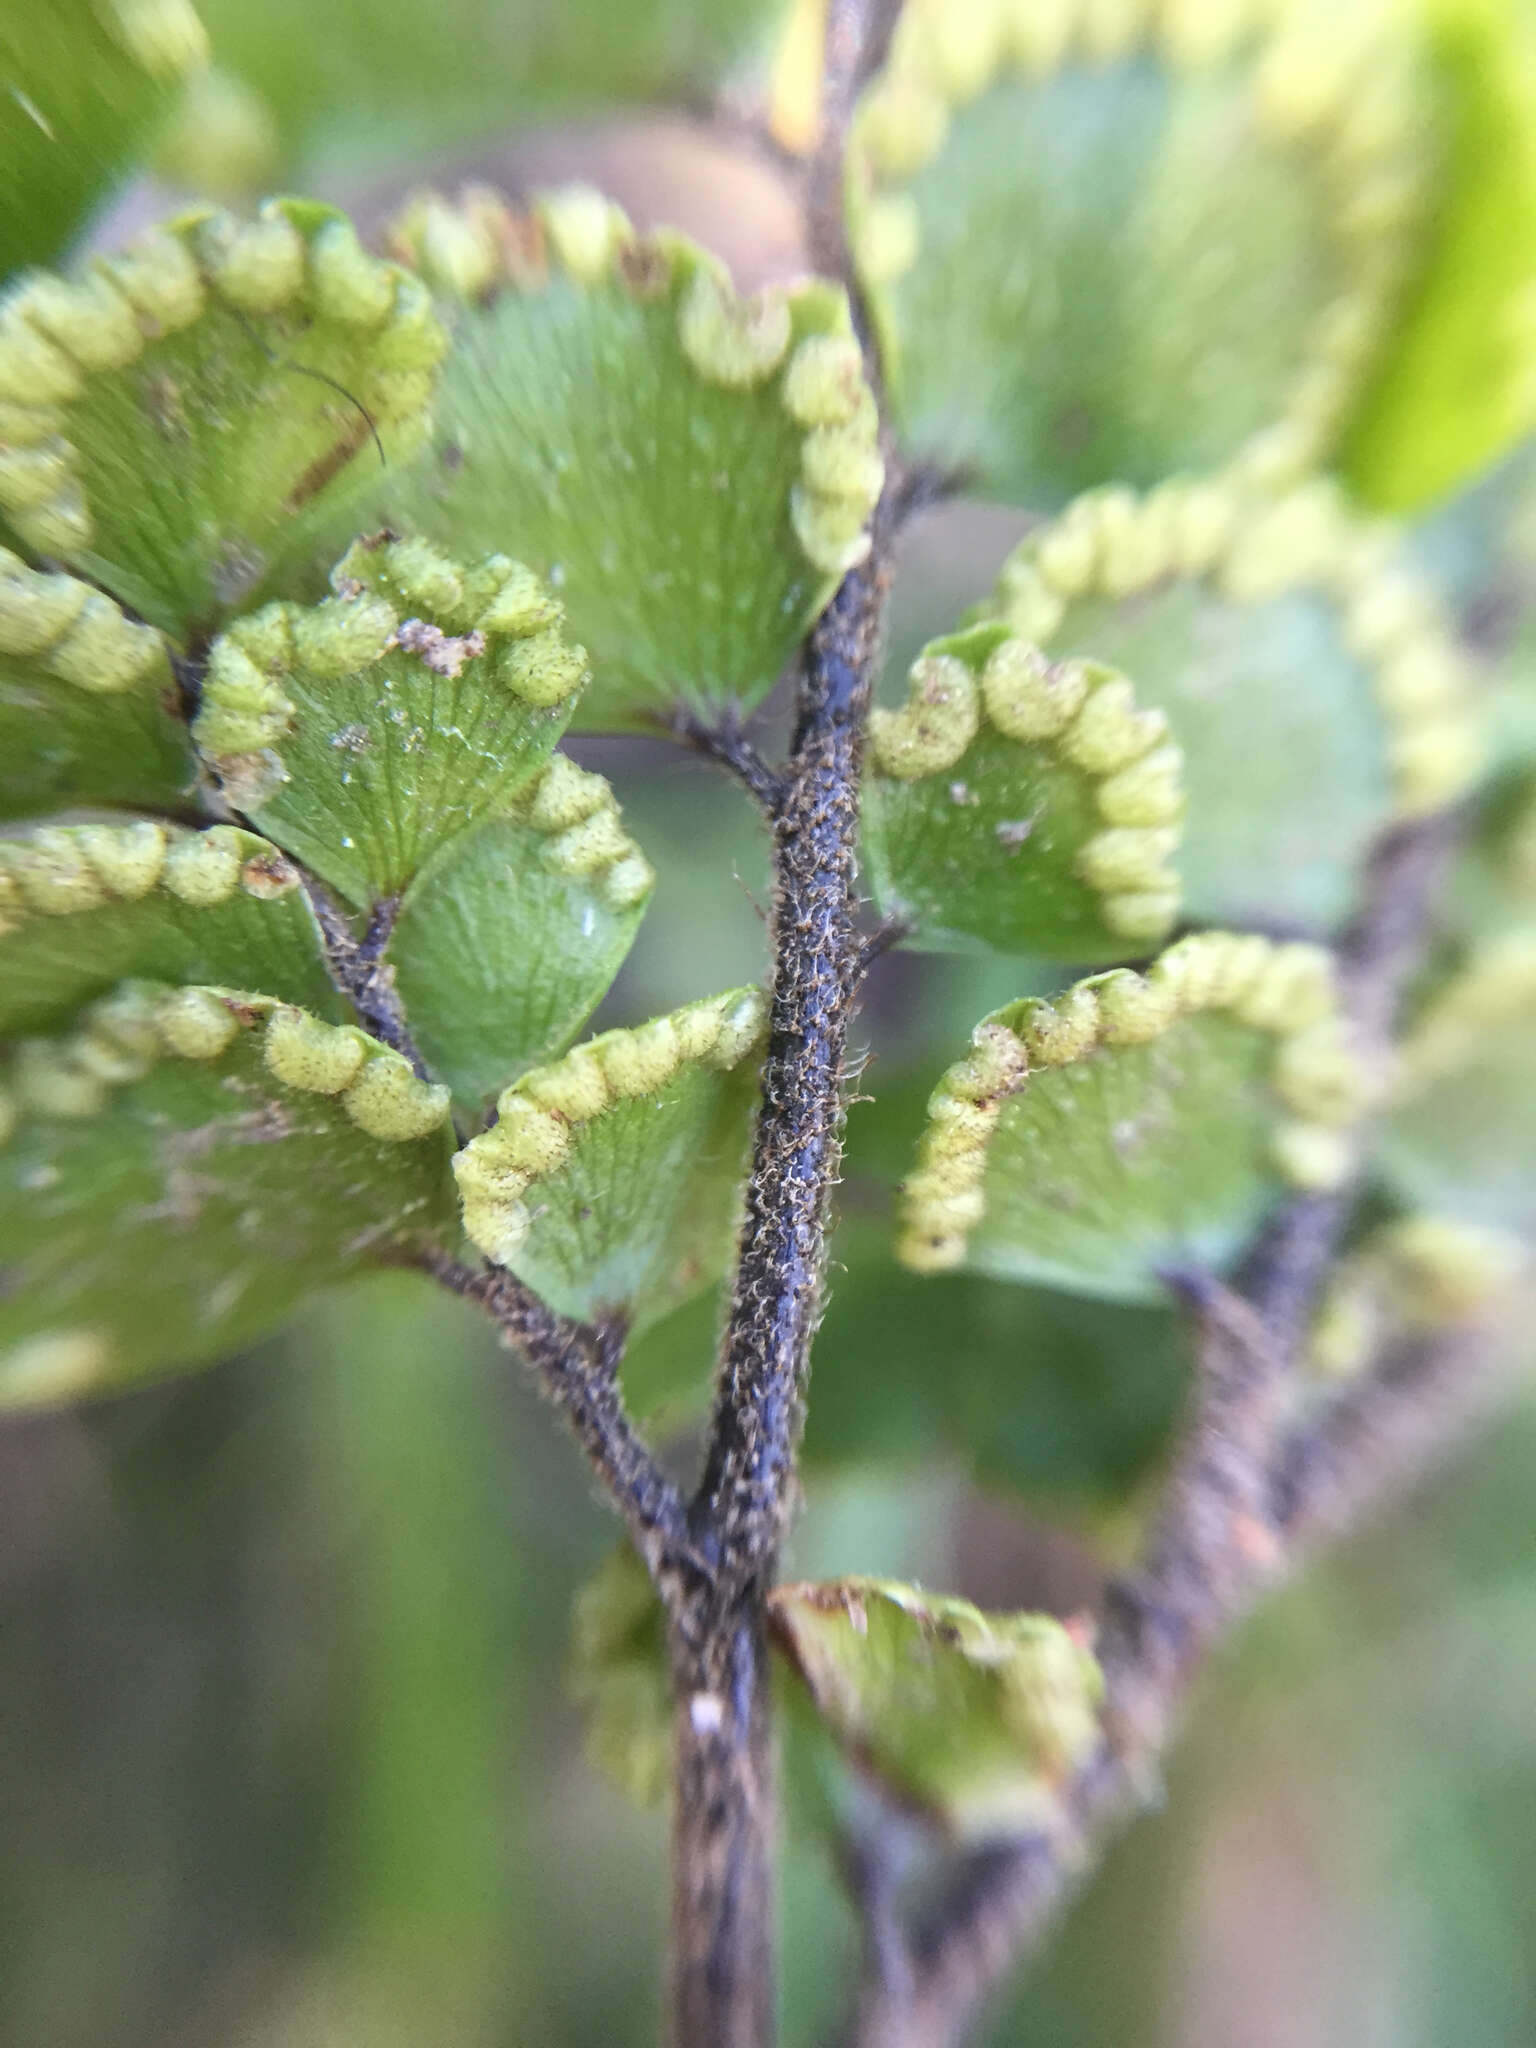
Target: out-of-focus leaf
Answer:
[[1306, 673], [1406, 1279], [618, 1676], [1479, 549], [183, 1167], [1022, 805], [691, 470], [84, 83], [610, 1180], [1065, 1403], [83, 907], [1492, 884], [1118, 242], [87, 701], [221, 142], [506, 947], [357, 83], [1456, 387], [1462, 1136], [668, 1369], [181, 419], [976, 1717], [1136, 1125], [367, 733]]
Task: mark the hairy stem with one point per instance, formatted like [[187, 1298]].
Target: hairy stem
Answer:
[[576, 1365], [723, 1894], [721, 1982], [1417, 1404], [360, 971], [721, 1985]]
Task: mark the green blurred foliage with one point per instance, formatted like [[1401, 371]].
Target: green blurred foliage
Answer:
[[350, 82], [285, 1762]]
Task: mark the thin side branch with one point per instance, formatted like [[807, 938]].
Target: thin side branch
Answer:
[[1418, 1404], [360, 971], [725, 741], [576, 1365], [1213, 1540]]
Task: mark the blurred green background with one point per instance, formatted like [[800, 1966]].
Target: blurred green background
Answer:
[[286, 1759]]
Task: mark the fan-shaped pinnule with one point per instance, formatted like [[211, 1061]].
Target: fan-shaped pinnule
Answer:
[[1138, 1124], [611, 1179], [693, 469], [182, 1165], [179, 422], [89, 706], [1305, 667], [368, 733], [1116, 243], [1017, 804]]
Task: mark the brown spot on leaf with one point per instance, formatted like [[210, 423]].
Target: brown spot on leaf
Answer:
[[644, 269], [268, 875], [325, 467], [442, 652], [524, 250]]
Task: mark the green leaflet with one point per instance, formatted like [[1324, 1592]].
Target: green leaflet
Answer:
[[1455, 390], [1459, 1140], [180, 420], [183, 1167], [1479, 549], [367, 733], [85, 906], [979, 1718], [692, 471], [1306, 672], [356, 83], [609, 1181], [1492, 885], [1066, 1403], [505, 948], [85, 82], [87, 701], [617, 1676], [1103, 240], [1022, 806], [1136, 1125], [1409, 1279]]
